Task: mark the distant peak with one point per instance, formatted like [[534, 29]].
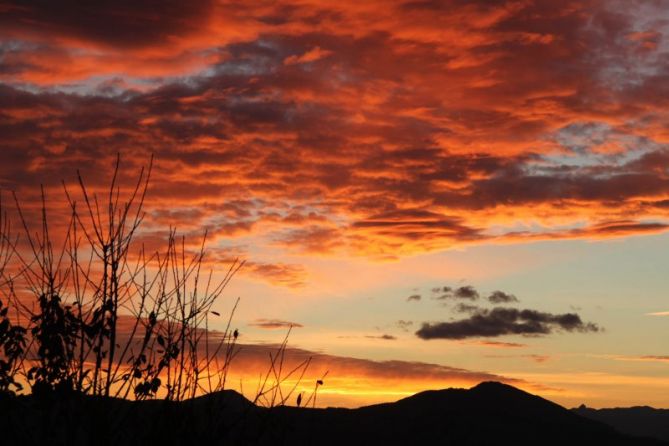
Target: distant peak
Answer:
[[494, 389], [494, 385]]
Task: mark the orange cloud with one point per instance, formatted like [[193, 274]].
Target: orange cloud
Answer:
[[347, 128], [310, 56], [658, 313]]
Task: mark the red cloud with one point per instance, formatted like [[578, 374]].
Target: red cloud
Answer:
[[368, 130]]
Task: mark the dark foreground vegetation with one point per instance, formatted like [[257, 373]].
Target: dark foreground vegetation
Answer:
[[92, 305], [488, 414]]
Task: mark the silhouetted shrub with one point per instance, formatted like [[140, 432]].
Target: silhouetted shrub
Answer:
[[12, 345], [110, 318]]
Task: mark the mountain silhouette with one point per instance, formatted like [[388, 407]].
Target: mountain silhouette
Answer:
[[640, 420], [488, 414]]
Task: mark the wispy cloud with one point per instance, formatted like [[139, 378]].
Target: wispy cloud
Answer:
[[312, 55], [497, 344], [272, 324], [658, 313], [641, 358], [540, 359], [383, 337]]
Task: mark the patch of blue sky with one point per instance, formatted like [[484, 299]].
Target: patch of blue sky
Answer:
[[11, 45], [261, 63], [622, 70], [580, 139], [112, 85], [525, 227]]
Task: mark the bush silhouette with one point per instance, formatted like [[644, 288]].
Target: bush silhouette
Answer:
[[12, 346], [88, 312], [107, 317]]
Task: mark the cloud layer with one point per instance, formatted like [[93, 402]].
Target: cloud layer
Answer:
[[363, 129]]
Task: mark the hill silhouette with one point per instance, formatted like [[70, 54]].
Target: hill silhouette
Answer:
[[640, 420], [490, 413]]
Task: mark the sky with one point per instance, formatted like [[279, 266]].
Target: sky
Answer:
[[433, 193]]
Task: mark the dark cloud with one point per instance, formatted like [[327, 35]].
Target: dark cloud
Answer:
[[404, 325], [415, 297], [122, 23], [465, 308], [467, 292], [506, 321], [384, 337], [500, 297]]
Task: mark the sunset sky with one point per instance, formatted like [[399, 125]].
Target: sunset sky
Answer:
[[434, 193]]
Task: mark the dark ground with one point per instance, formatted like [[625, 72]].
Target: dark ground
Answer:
[[632, 420], [488, 414]]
